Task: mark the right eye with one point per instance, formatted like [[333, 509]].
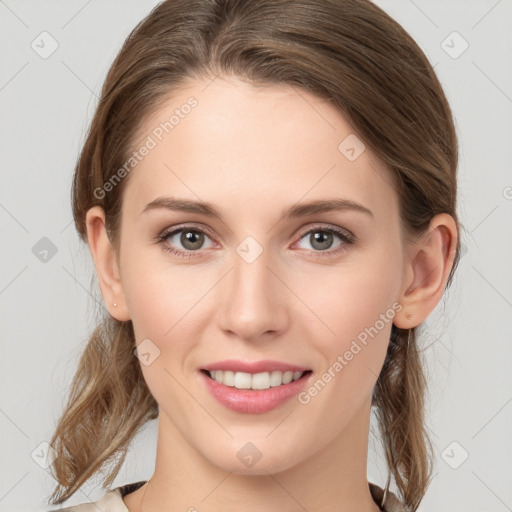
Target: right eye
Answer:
[[191, 239]]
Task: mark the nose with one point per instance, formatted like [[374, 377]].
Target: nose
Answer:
[[252, 300]]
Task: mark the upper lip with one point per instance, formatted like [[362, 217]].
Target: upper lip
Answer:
[[266, 365]]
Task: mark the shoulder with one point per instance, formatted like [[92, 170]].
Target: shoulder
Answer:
[[112, 501], [392, 503]]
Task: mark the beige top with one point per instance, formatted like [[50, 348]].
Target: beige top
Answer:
[[112, 501]]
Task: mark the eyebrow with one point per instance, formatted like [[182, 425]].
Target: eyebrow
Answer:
[[294, 211]]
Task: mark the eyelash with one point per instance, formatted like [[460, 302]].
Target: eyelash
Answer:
[[348, 239]]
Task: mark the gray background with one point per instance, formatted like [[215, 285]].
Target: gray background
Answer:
[[48, 307]]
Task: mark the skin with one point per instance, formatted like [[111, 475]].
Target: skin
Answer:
[[252, 152]]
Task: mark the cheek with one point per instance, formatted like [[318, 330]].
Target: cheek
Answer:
[[166, 303], [349, 300], [356, 307], [158, 293], [160, 301]]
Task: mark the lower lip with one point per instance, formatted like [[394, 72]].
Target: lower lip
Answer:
[[253, 401]]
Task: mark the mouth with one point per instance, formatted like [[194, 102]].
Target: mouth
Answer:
[[255, 381], [254, 386]]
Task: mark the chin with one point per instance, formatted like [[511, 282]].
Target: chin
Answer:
[[248, 459]]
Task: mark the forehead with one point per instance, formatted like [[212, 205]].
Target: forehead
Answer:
[[249, 146]]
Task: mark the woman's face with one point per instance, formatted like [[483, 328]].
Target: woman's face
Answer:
[[250, 284]]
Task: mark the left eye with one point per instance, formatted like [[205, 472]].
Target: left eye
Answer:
[[321, 239]]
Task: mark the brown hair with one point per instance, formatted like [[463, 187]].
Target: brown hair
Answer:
[[348, 51]]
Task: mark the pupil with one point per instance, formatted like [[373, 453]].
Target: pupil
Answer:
[[321, 240], [192, 239]]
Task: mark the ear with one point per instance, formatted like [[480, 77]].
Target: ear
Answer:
[[106, 264], [428, 264]]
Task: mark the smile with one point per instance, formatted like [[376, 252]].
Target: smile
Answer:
[[257, 381], [254, 387]]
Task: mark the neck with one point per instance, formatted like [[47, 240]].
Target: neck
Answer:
[[330, 480]]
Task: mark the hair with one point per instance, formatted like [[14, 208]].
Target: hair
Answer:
[[350, 52]]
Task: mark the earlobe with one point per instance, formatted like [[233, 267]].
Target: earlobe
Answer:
[[107, 269], [428, 265]]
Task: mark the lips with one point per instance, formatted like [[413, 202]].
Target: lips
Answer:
[[254, 387]]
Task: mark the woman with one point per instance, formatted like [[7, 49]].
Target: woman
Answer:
[[268, 190]]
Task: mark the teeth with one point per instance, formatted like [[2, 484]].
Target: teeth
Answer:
[[265, 380]]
